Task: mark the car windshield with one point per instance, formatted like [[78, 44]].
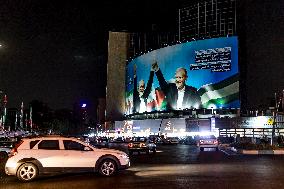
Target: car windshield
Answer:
[[104, 139], [174, 138], [139, 139]]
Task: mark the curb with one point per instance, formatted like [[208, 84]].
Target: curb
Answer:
[[263, 152], [229, 152], [252, 152]]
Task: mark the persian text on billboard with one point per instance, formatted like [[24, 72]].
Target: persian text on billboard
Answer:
[[217, 60]]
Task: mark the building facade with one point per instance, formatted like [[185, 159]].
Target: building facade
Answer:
[[195, 21]]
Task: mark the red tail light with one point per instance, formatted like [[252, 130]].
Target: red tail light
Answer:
[[201, 141], [130, 145], [14, 150], [215, 141]]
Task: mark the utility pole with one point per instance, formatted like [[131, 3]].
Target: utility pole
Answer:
[[160, 132], [31, 118], [274, 124], [22, 116], [5, 110], [16, 121]]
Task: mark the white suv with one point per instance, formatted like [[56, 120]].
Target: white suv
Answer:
[[54, 154]]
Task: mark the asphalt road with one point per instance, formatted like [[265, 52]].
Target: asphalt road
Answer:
[[179, 166]]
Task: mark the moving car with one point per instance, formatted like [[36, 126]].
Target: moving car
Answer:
[[208, 141], [141, 144], [32, 157]]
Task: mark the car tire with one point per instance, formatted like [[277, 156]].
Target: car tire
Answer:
[[27, 172], [154, 151], [148, 151], [3, 155], [217, 149], [107, 168], [201, 149]]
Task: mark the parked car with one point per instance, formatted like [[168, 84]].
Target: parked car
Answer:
[[101, 142], [173, 140], [188, 140], [37, 156], [170, 140], [5, 148], [141, 144], [208, 141], [119, 144]]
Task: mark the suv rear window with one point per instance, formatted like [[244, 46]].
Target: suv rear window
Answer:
[[33, 143], [49, 145]]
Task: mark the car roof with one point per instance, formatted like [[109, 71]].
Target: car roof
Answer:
[[53, 137], [207, 136]]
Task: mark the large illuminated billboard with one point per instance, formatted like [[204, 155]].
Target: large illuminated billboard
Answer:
[[197, 74]]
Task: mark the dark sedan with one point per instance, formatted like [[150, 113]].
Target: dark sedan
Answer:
[[141, 144]]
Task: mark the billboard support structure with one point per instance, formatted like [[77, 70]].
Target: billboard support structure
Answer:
[[160, 127]]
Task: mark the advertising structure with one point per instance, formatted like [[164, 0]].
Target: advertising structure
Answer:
[[260, 122], [173, 127], [197, 74]]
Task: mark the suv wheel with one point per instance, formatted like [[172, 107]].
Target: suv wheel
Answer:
[[107, 167], [27, 172]]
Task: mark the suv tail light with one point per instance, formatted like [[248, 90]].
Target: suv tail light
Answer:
[[215, 141], [14, 150], [201, 141]]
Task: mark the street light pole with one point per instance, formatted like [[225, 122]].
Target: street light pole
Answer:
[[274, 119], [1, 112]]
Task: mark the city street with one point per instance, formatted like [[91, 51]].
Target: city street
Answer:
[[175, 166]]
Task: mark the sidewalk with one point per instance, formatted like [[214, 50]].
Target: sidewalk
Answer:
[[256, 152]]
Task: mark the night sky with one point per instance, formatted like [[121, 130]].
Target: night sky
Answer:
[[56, 51]]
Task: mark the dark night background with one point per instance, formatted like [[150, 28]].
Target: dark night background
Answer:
[[56, 51]]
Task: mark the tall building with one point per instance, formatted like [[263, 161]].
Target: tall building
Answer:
[[258, 27], [199, 20], [117, 55], [207, 19]]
